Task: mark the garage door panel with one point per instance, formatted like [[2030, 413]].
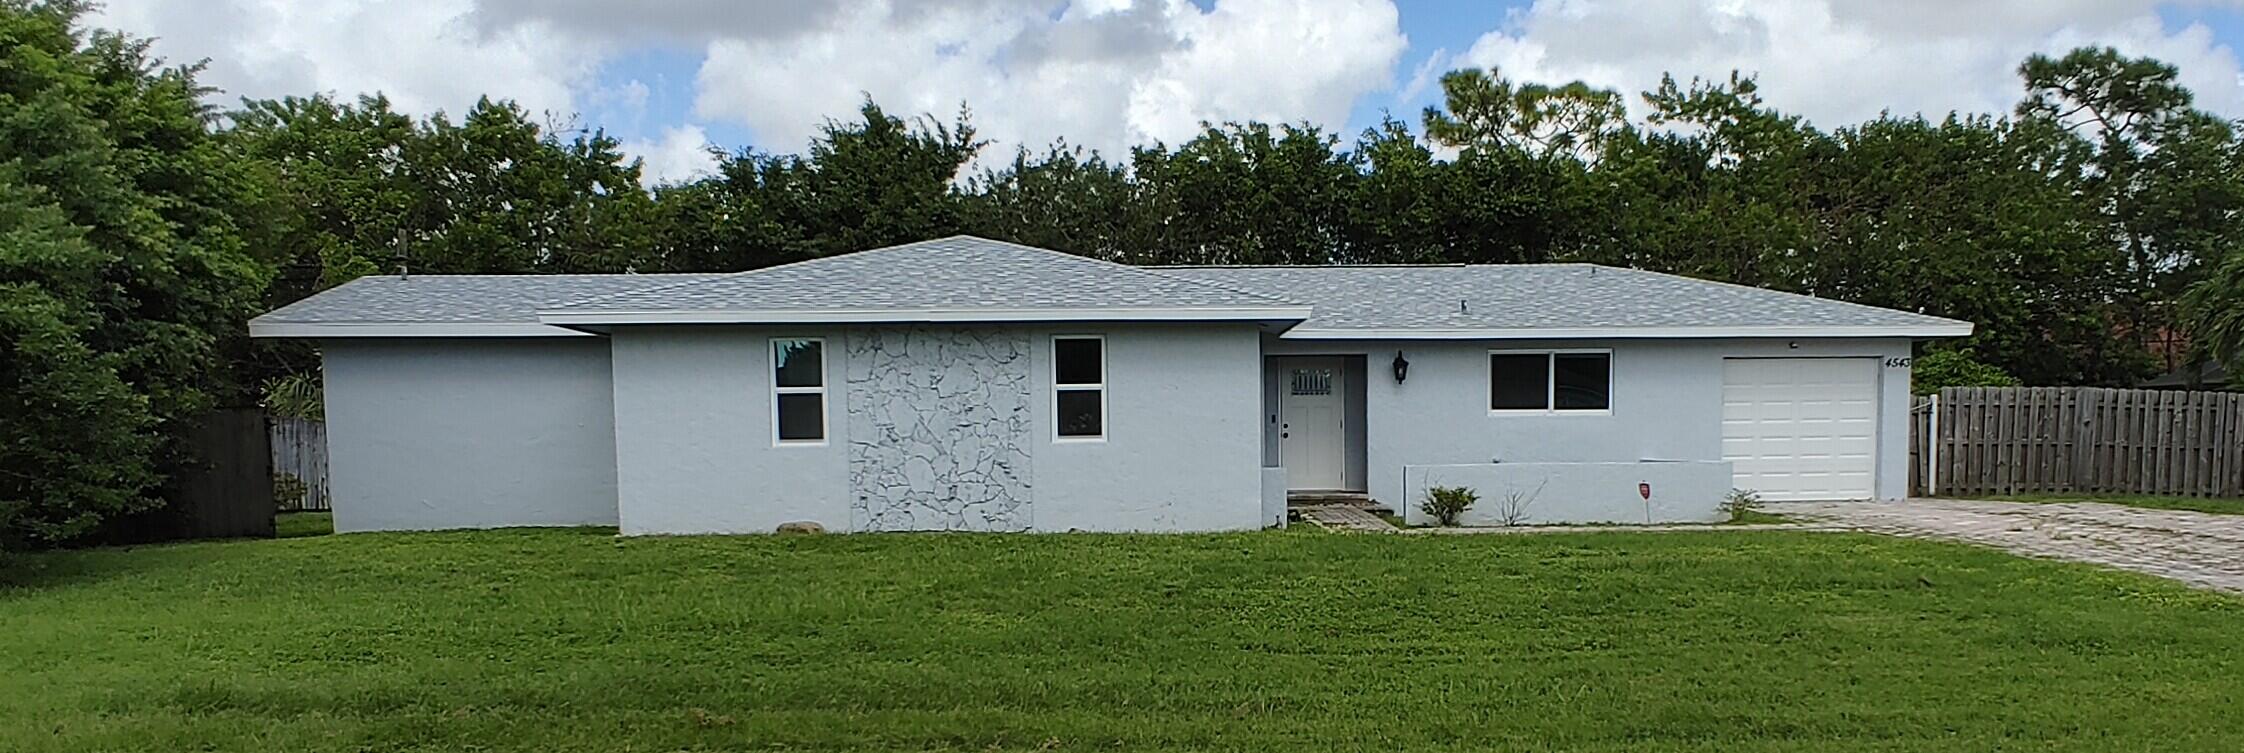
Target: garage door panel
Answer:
[[1801, 428]]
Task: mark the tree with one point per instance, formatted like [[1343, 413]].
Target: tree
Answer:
[[1955, 218], [1717, 196], [493, 194], [1955, 367], [1067, 199], [2163, 176], [1484, 111], [76, 442], [1248, 194], [128, 276], [2215, 311]]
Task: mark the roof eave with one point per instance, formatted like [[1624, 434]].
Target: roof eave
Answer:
[[325, 330], [1957, 329], [911, 316]]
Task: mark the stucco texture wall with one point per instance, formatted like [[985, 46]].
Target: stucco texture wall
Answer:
[[696, 455], [469, 433], [1666, 405], [695, 449], [1550, 493]]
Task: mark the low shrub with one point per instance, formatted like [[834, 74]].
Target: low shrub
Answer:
[[1446, 503], [1742, 504], [288, 491]]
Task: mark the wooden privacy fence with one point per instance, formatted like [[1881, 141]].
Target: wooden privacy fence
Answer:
[[222, 486], [2077, 440], [299, 451]]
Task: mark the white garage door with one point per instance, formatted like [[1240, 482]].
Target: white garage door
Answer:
[[1801, 428]]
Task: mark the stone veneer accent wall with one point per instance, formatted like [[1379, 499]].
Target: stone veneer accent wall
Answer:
[[939, 423]]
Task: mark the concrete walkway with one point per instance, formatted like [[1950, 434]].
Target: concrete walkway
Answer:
[[1631, 528], [2199, 549]]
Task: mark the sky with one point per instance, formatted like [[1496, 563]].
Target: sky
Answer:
[[672, 77]]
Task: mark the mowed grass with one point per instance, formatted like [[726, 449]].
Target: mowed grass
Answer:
[[289, 525], [573, 640], [2218, 506]]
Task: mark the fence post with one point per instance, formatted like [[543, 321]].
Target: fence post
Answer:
[[1932, 449]]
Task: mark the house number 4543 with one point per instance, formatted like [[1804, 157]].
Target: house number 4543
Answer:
[[1899, 363]]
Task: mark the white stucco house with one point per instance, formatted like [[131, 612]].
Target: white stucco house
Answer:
[[968, 384]]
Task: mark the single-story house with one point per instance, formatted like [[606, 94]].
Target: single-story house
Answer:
[[969, 384]]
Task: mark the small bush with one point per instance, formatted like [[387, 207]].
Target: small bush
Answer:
[[288, 491], [1446, 503], [1512, 509], [1742, 504]]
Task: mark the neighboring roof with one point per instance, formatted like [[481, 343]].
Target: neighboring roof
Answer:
[[954, 279], [2211, 374], [446, 305], [1555, 301]]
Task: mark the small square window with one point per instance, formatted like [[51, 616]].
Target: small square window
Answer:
[[1075, 360], [798, 363], [1519, 381], [1078, 414], [1582, 381], [802, 417]]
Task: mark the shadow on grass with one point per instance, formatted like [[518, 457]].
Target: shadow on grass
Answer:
[[292, 525]]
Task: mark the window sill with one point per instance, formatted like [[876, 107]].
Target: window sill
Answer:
[[799, 443], [1514, 412]]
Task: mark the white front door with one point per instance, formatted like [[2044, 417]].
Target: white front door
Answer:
[[1311, 408], [1801, 428]]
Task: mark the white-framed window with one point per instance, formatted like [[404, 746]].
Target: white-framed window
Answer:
[[1078, 388], [798, 391], [1550, 381]]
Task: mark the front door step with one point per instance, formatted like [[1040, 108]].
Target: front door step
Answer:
[[1348, 518], [1357, 500]]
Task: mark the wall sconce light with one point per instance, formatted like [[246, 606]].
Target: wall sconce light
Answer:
[[1402, 367]]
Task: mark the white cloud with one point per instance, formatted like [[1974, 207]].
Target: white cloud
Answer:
[[1101, 73], [1107, 76], [426, 54], [1842, 61], [1115, 73], [681, 153]]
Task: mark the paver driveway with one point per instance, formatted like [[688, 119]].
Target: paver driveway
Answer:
[[2197, 548]]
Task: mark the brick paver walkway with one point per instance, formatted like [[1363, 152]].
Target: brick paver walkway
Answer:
[[2199, 549]]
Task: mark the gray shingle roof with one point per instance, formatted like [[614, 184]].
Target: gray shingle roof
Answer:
[[1541, 296], [957, 273], [972, 277], [457, 299]]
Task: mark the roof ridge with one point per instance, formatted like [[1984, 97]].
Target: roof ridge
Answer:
[[719, 278], [1131, 267], [1430, 265], [711, 275]]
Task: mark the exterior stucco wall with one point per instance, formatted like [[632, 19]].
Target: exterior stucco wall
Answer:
[[469, 433], [694, 439], [1183, 448], [1547, 493], [1667, 405], [695, 450]]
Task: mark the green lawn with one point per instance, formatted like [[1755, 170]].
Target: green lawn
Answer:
[[289, 525], [565, 640], [2199, 504]]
